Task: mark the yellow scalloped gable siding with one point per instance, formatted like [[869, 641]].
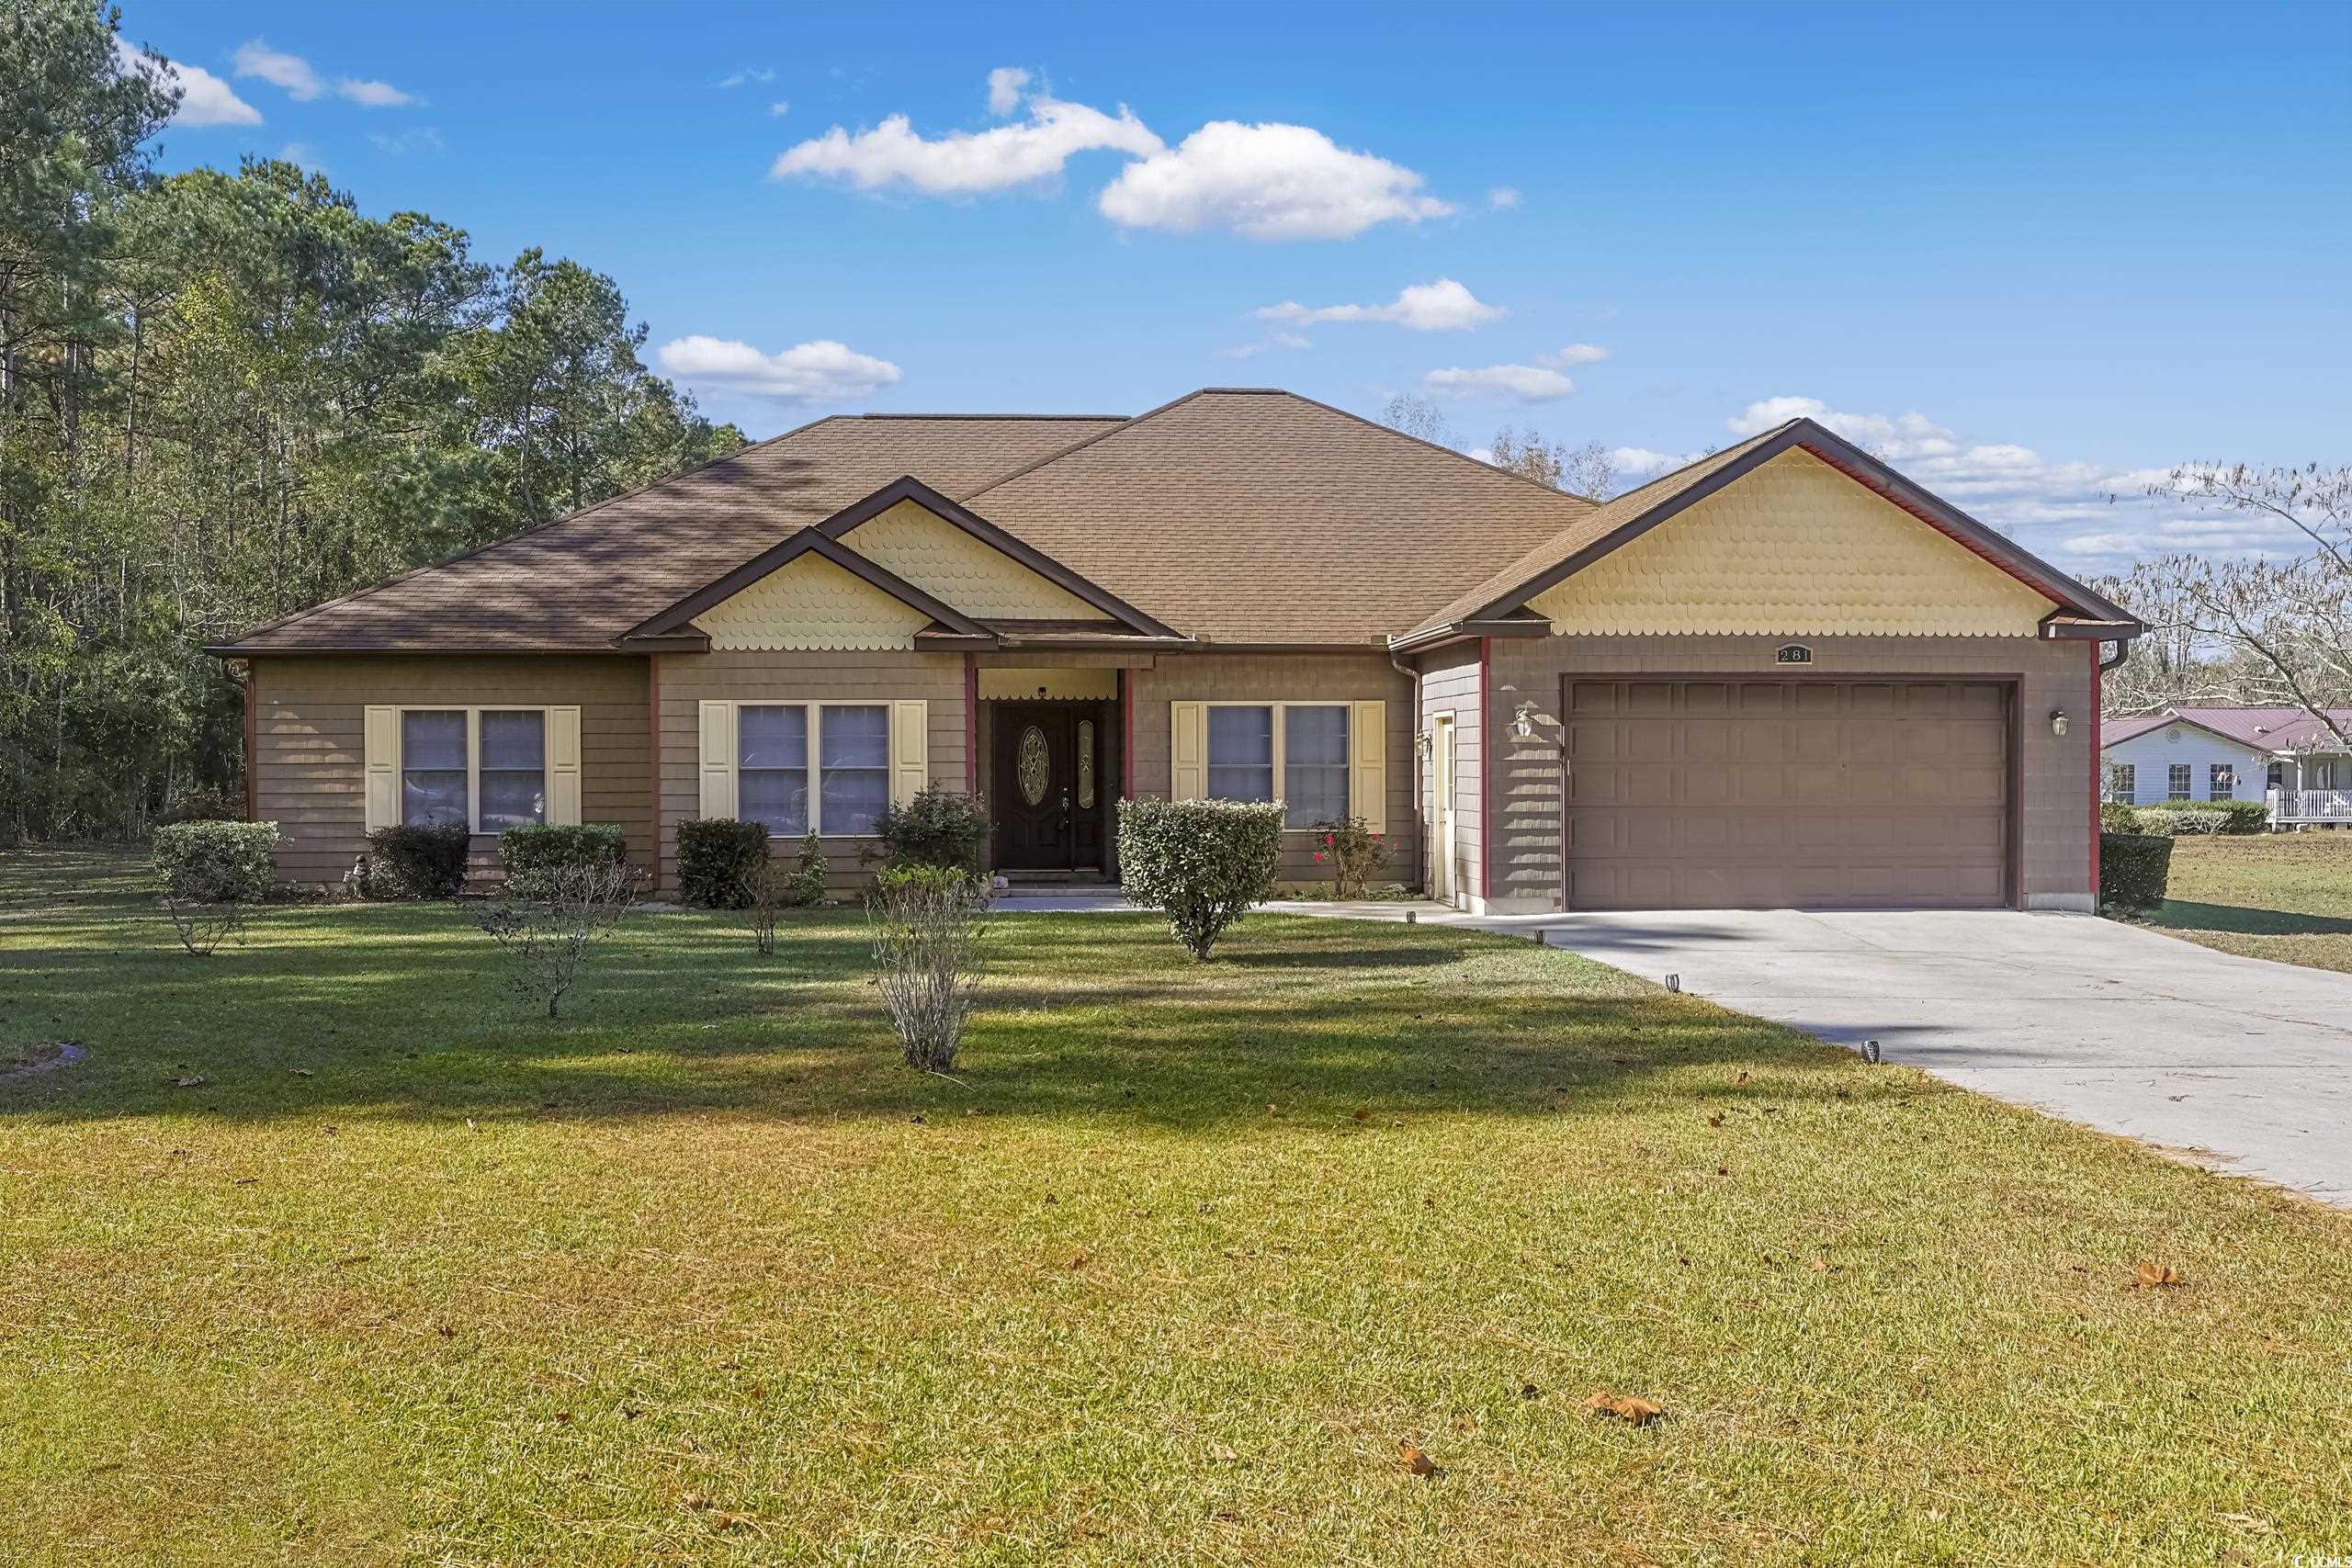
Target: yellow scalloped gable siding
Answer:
[[811, 603], [949, 564], [1795, 548]]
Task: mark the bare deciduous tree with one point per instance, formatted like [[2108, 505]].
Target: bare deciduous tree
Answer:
[[1584, 470], [1418, 417], [548, 933]]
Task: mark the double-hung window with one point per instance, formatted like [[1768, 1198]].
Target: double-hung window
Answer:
[[803, 767], [1298, 752], [481, 768], [2177, 780], [2123, 783], [2221, 782]]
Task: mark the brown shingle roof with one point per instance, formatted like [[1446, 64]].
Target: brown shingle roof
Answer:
[[1251, 515], [1233, 515], [583, 579]]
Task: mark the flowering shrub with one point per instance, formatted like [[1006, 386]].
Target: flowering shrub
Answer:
[[1354, 853]]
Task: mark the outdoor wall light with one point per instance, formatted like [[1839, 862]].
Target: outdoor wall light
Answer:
[[2058, 722], [1522, 722]]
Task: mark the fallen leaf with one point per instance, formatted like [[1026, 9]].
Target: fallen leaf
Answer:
[[1415, 1460], [1079, 1262], [1529, 1391], [304, 1073], [1742, 1079], [194, 1080], [1222, 1454], [1627, 1407], [1716, 1120], [695, 1501], [2157, 1276], [1362, 1114], [1819, 1266]]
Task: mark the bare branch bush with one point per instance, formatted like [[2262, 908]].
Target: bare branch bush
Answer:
[[929, 949], [547, 926], [203, 924]]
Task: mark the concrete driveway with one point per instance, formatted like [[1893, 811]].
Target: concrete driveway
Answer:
[[2244, 1064]]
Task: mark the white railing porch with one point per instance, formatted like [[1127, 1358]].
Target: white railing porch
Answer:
[[2291, 805]]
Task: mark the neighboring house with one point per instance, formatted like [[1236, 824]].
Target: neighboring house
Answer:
[[2284, 755], [1782, 675]]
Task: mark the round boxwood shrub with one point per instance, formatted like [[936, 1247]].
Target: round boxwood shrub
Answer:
[[938, 826], [528, 852], [421, 862], [716, 858], [1204, 862], [2133, 870], [216, 863]]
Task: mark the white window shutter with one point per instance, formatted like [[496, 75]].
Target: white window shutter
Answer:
[[564, 767], [718, 759], [381, 760], [910, 749], [1368, 763], [1188, 745]]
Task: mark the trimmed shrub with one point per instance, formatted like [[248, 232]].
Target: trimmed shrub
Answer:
[[2133, 870], [2176, 821], [2237, 816], [216, 863], [1205, 862], [2115, 816], [421, 862], [927, 956], [938, 826], [717, 857], [526, 854]]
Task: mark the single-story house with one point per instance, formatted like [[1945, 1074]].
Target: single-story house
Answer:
[[2282, 754], [1782, 675]]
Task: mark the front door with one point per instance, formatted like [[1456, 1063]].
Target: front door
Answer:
[[1035, 793]]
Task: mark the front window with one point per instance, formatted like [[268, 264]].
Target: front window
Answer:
[[845, 774], [2222, 783], [1242, 753], [772, 769], [856, 769], [513, 769], [1315, 764], [2177, 780], [2123, 783], [432, 768]]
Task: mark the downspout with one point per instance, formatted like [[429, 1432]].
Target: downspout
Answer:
[[1420, 823], [2099, 667]]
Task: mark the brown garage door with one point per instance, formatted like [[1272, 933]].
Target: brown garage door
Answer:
[[1765, 794]]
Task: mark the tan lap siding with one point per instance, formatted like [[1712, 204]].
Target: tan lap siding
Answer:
[[1450, 687], [308, 768], [689, 679], [1294, 678], [2053, 773]]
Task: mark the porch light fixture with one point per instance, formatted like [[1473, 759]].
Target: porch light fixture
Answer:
[[2058, 722], [1522, 722]]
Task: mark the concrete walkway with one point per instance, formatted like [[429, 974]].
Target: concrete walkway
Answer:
[[2239, 1063]]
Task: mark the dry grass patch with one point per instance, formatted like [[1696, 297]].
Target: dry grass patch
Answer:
[[702, 1274]]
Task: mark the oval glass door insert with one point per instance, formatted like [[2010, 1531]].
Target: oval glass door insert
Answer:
[[1030, 765]]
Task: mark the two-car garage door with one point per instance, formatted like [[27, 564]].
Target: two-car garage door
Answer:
[[1764, 794]]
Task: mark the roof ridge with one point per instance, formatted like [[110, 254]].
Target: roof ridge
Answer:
[[1433, 445], [1020, 418], [1129, 424], [377, 587]]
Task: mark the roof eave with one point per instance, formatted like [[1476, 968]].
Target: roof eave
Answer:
[[1464, 630]]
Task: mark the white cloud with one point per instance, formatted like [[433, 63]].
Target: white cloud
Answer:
[[749, 73], [424, 139], [1640, 462], [1891, 436], [1520, 383], [1578, 354], [1265, 182], [779, 108], [1243, 351], [890, 156], [302, 82], [291, 72], [809, 372], [1442, 305], [1006, 84], [374, 94], [205, 99], [1502, 198]]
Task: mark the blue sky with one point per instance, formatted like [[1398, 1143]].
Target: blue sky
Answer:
[[2032, 254]]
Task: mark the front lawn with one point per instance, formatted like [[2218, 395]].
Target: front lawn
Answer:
[[701, 1274], [2281, 895]]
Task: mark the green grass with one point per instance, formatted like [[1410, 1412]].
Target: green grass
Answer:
[[2281, 895], [700, 1274]]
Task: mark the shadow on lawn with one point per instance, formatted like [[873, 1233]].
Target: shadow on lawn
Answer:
[[397, 1012], [2189, 916]]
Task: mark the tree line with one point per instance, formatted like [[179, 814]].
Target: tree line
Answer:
[[228, 396]]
